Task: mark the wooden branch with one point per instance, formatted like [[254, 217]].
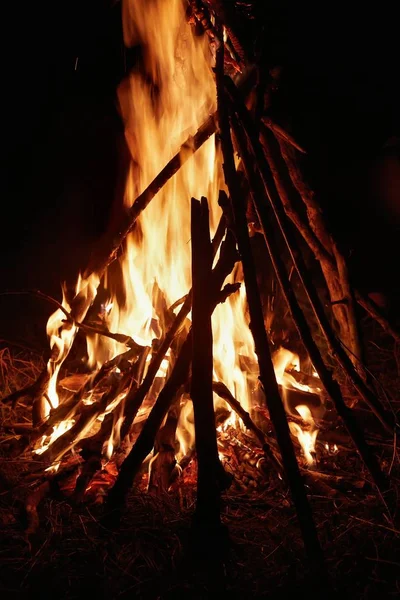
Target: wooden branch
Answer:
[[282, 183], [284, 135], [368, 396], [101, 260], [145, 442], [224, 393], [314, 243], [216, 242], [88, 416], [272, 221], [373, 310], [257, 326], [135, 398], [208, 498]]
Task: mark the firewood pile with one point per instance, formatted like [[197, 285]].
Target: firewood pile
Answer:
[[156, 413]]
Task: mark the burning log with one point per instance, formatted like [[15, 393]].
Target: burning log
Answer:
[[90, 468], [257, 325], [260, 201], [208, 499], [226, 17], [63, 443], [92, 448], [136, 397], [71, 408], [177, 378]]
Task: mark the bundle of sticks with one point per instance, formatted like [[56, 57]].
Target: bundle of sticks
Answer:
[[123, 392]]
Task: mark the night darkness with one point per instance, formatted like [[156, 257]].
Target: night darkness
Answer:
[[63, 141]]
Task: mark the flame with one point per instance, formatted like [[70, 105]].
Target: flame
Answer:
[[62, 334], [58, 430], [174, 65], [114, 438], [284, 360], [306, 437], [166, 98], [185, 430]]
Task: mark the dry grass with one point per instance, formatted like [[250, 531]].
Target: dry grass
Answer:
[[72, 555]]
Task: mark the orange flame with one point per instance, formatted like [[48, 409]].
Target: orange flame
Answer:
[[306, 437], [165, 99]]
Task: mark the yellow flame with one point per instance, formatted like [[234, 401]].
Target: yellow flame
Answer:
[[166, 98], [306, 437], [58, 430], [62, 333], [284, 360]]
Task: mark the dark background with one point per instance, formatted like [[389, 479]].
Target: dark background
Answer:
[[62, 140]]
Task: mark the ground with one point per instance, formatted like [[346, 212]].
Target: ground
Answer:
[[70, 554]]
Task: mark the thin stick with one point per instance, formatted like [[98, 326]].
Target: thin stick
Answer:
[[135, 398], [109, 252], [208, 496], [279, 131], [257, 326], [224, 393]]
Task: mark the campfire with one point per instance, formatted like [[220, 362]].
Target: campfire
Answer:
[[178, 379]]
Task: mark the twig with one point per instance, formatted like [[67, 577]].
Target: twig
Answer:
[[207, 511], [279, 131], [101, 260]]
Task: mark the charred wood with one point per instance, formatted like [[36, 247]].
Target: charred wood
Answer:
[[177, 378]]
